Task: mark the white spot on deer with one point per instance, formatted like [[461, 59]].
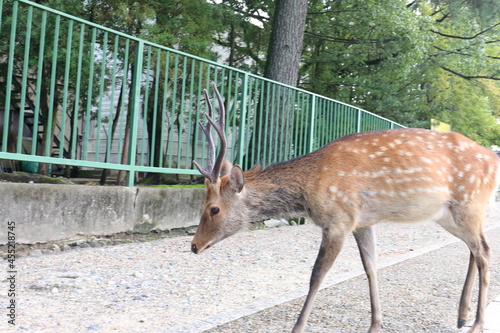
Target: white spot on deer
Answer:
[[461, 188], [372, 156], [386, 159], [398, 142], [450, 179], [426, 160], [341, 173], [333, 189], [392, 145], [389, 180], [472, 178], [383, 148], [325, 168], [460, 174]]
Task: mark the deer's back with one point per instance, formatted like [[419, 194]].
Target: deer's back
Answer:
[[403, 174]]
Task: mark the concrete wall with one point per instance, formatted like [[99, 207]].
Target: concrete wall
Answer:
[[45, 212]]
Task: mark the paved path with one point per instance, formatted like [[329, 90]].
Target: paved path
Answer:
[[251, 282], [408, 277]]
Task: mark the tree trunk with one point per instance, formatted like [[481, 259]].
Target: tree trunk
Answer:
[[274, 117], [285, 45]]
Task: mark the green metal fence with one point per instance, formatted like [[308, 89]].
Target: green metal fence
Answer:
[[79, 94]]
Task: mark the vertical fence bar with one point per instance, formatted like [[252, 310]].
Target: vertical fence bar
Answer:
[[189, 132], [124, 101], [311, 125], [136, 107], [77, 93], [173, 111], [10, 73], [242, 125], [181, 112], [358, 125], [24, 79], [197, 111], [101, 95], [112, 115], [154, 114], [39, 79], [53, 79], [164, 110], [89, 94], [62, 134]]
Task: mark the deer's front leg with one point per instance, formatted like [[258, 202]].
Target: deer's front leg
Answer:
[[365, 238], [331, 244]]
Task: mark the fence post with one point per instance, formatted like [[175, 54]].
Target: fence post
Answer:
[[358, 127], [243, 114], [311, 129], [136, 107]]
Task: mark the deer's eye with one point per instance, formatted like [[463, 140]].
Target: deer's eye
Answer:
[[214, 210]]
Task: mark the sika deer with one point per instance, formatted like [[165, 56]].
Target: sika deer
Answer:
[[401, 175]]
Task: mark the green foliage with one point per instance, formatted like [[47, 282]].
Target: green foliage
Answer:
[[408, 61]]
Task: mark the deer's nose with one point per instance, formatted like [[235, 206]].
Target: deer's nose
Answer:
[[194, 249]]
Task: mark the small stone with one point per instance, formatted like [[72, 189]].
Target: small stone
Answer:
[[39, 285], [54, 248], [138, 275], [36, 253], [55, 290]]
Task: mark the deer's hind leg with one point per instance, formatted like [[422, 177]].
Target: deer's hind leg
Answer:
[[365, 238], [466, 223]]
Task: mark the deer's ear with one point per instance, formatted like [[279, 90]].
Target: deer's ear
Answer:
[[236, 178], [225, 168]]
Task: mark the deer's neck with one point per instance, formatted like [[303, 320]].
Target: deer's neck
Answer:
[[278, 191]]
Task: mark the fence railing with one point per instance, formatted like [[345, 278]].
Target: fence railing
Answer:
[[79, 94]]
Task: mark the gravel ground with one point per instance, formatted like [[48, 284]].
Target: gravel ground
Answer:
[[158, 285]]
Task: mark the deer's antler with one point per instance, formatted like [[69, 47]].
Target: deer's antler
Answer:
[[212, 171]]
